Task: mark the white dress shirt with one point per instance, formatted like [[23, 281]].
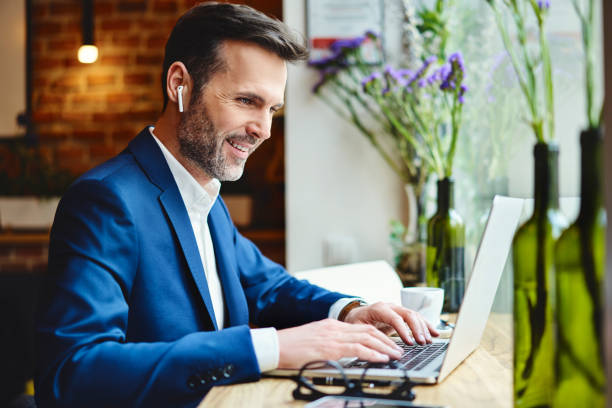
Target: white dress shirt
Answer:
[[198, 201]]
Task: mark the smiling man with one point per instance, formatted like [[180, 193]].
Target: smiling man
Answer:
[[151, 290]]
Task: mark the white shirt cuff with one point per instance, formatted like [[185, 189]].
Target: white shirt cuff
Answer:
[[336, 308], [265, 343]]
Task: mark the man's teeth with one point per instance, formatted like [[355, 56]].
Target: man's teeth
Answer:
[[237, 146]]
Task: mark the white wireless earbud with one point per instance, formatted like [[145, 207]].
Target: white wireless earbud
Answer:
[[180, 97]]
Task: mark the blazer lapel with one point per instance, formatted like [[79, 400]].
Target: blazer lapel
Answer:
[[152, 160], [221, 233]]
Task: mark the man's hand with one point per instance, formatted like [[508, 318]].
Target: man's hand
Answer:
[[331, 339], [388, 317], [363, 334]]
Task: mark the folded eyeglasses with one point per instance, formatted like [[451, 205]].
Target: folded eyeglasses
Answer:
[[309, 391]]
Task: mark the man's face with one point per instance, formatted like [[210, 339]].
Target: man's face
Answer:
[[226, 122]]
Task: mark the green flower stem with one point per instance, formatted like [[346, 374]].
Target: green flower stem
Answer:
[[528, 90], [456, 123], [586, 23], [407, 134], [372, 138], [547, 72]]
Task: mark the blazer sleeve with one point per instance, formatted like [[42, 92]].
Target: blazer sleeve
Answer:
[[84, 358]]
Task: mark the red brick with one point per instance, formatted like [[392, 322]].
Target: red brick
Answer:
[[102, 151], [73, 27], [42, 63], [116, 25], [82, 98], [40, 82], [64, 9], [100, 79], [152, 24], [52, 99], [88, 134], [165, 7], [123, 41], [72, 61], [66, 83], [115, 60], [137, 79], [120, 97], [103, 8], [156, 42], [46, 28], [108, 117], [75, 116], [70, 44], [144, 115], [154, 59], [131, 6], [77, 167], [37, 46], [39, 10], [70, 152], [52, 136], [45, 117], [29, 251]]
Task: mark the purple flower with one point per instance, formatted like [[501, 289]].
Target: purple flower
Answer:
[[342, 45], [326, 74], [422, 70], [369, 80], [397, 76], [454, 74], [371, 35], [543, 4], [462, 90], [335, 59]]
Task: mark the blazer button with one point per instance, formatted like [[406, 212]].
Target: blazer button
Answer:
[[191, 383], [229, 369]]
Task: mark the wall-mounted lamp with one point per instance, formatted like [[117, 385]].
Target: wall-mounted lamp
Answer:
[[88, 52]]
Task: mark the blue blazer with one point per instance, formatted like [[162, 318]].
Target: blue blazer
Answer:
[[126, 318]]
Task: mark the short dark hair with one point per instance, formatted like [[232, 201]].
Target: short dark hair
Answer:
[[198, 35]]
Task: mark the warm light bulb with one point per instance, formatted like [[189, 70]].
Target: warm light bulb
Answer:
[[88, 53]]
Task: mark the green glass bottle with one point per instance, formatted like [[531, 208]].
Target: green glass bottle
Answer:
[[532, 255], [579, 266], [445, 248]]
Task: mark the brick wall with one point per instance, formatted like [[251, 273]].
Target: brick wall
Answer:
[[86, 113]]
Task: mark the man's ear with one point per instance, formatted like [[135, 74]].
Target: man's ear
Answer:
[[178, 76]]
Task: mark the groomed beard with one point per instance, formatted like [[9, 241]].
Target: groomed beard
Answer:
[[202, 144]]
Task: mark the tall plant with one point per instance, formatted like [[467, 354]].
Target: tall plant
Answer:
[[533, 245], [533, 68]]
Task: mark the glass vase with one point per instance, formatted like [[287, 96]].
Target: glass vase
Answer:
[[445, 248], [579, 267], [407, 243], [532, 255]]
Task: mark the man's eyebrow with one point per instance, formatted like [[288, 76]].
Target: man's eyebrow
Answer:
[[259, 99]]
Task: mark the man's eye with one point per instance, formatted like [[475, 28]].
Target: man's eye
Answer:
[[245, 101]]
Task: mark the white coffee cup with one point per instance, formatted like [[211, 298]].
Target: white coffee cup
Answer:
[[427, 301]]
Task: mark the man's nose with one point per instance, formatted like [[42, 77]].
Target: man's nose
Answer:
[[260, 128]]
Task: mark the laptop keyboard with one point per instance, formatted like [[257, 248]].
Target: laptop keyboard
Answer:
[[414, 358]]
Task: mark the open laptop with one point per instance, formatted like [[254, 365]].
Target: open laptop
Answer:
[[432, 363]]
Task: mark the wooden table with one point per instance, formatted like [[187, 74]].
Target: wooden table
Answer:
[[483, 380]]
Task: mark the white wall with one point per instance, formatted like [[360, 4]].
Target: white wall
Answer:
[[336, 183]]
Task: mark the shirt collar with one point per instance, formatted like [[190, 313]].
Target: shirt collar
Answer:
[[195, 197]]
